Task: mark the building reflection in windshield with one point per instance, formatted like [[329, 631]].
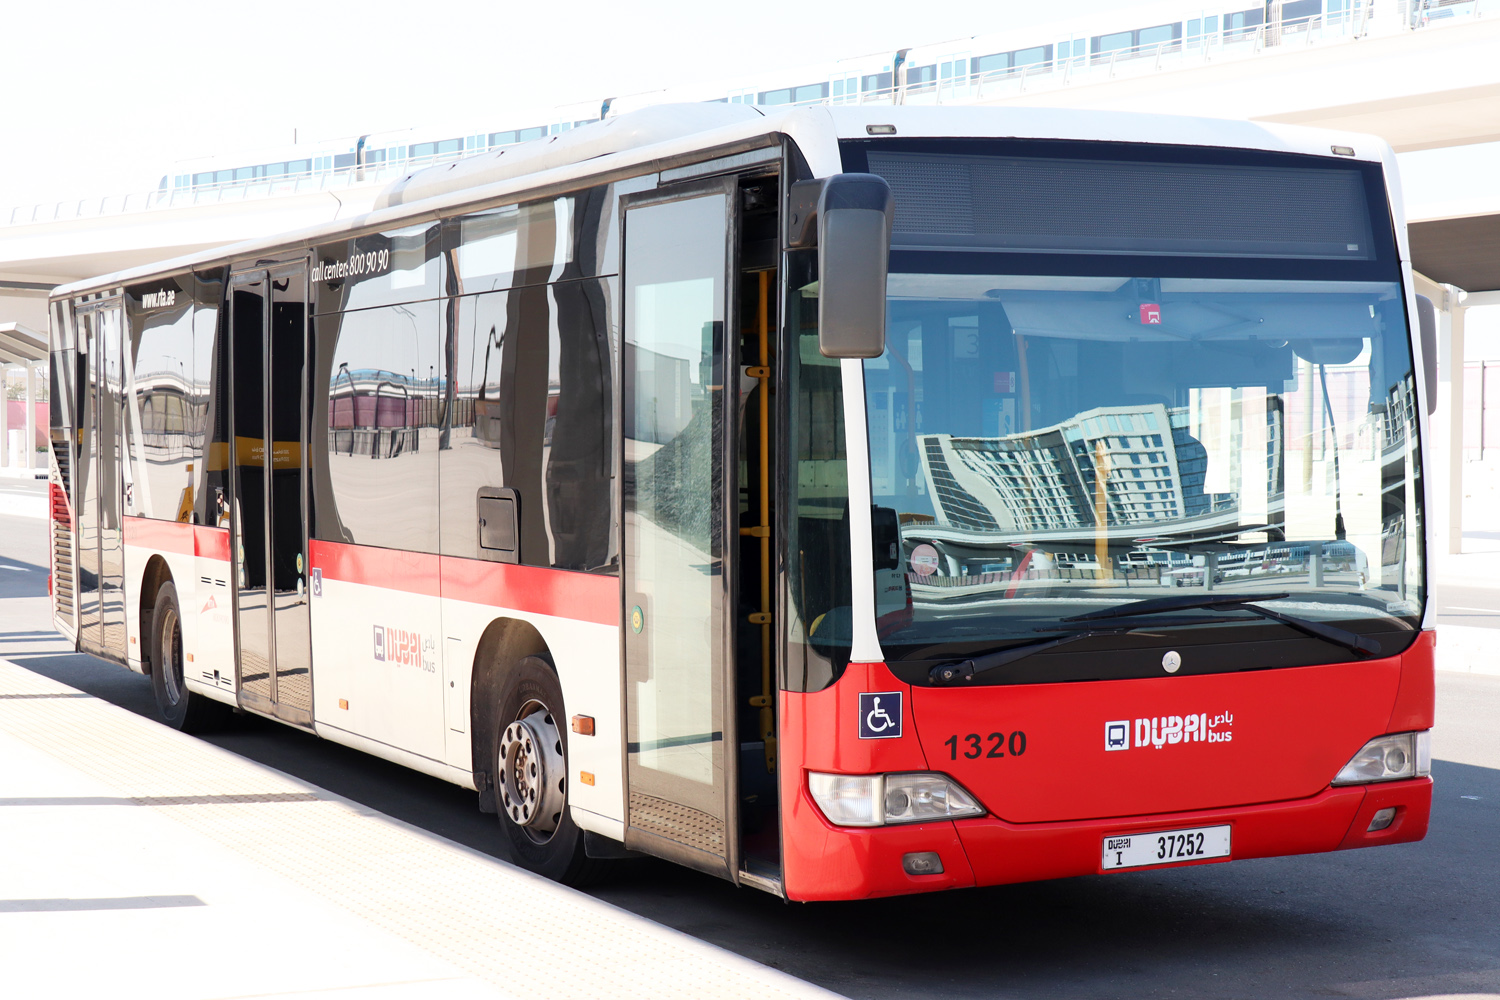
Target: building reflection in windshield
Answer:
[[1236, 487]]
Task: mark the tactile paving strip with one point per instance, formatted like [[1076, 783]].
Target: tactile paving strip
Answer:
[[509, 927]]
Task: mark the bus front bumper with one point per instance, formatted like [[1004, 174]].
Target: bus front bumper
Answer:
[[846, 863]]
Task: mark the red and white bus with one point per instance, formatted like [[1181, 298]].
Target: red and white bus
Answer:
[[845, 502]]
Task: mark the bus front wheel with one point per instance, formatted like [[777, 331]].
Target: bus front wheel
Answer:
[[531, 775]]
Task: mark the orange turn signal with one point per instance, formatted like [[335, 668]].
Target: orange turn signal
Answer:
[[583, 725]]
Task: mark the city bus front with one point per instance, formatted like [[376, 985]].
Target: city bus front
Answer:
[[1140, 469]]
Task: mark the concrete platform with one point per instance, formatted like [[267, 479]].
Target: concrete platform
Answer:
[[136, 861]]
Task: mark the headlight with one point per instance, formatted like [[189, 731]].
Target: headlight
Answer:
[[1389, 758], [883, 799]]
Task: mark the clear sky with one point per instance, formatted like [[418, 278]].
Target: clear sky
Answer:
[[104, 97]]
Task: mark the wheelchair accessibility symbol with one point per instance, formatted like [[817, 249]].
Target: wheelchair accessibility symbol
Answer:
[[880, 715]]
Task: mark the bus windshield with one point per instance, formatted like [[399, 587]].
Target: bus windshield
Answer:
[[1049, 446]]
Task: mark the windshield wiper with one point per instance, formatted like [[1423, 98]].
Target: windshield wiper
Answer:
[[1352, 641], [965, 670]]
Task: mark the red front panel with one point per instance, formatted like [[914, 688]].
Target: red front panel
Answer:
[[1057, 777], [1198, 742]]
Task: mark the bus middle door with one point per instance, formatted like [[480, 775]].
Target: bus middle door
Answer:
[[268, 537]]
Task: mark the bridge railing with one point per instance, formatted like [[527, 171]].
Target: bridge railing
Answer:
[[211, 194], [1179, 53]]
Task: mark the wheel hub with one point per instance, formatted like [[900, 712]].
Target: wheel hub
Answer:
[[171, 653], [532, 771]]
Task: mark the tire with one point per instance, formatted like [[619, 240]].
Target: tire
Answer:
[[178, 707], [529, 757]]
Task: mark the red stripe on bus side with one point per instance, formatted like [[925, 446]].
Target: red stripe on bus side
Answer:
[[164, 536], [211, 543], [561, 593], [391, 569], [586, 597]]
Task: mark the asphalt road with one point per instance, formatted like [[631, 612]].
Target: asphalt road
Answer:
[[1414, 920], [1461, 605]]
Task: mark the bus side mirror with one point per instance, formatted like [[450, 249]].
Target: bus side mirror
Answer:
[[1427, 328], [854, 213]]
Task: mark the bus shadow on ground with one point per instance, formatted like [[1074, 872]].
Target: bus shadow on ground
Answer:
[[21, 579]]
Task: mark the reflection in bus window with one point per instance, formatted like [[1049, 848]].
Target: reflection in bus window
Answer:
[[165, 402], [378, 269], [514, 245], [1054, 445], [817, 510], [384, 420], [531, 410]]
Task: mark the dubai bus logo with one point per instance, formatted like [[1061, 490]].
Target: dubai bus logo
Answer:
[[1169, 730], [403, 648]]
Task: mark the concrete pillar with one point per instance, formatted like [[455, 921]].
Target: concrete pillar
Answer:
[[1446, 426], [4, 418], [30, 444], [1455, 484]]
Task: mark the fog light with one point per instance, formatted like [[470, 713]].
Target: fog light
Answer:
[[922, 863], [1381, 819]]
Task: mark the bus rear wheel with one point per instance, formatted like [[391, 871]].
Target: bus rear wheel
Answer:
[[178, 707], [530, 758]]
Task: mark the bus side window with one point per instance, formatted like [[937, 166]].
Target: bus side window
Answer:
[[817, 512]]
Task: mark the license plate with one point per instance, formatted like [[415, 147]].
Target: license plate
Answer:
[[1139, 849]]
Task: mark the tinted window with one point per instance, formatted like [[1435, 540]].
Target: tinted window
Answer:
[[382, 414], [1032, 56], [1157, 35], [164, 411], [532, 412], [817, 512], [211, 357], [401, 265], [951, 200], [517, 244], [991, 64]]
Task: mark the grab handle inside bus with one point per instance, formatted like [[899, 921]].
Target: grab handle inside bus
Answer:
[[854, 217], [1427, 327]]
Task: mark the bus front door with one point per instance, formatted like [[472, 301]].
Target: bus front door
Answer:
[[269, 330], [680, 772]]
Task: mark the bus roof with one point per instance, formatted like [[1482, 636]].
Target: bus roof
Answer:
[[671, 135]]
